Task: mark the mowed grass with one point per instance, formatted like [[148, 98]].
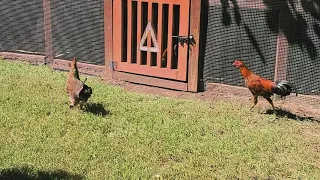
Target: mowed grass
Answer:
[[125, 135]]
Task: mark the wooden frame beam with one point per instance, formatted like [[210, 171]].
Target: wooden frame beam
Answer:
[[108, 37], [82, 67], [194, 53], [60, 64], [47, 31], [281, 65], [151, 81]]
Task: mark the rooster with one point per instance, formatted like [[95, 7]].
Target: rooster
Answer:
[[77, 90], [263, 87]]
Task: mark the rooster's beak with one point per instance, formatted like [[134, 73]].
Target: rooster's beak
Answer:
[[234, 63]]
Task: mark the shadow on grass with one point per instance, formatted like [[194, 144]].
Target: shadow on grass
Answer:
[[96, 109], [28, 173], [284, 113]]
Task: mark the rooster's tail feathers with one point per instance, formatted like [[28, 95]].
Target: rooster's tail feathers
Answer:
[[284, 88]]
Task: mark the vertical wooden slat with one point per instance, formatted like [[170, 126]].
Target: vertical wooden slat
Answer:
[[149, 34], [108, 46], [183, 31], [169, 52], [195, 24], [139, 4], [48, 31], [117, 43], [129, 36], [159, 38]]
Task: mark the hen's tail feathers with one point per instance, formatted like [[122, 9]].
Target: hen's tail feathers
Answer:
[[284, 88], [74, 68], [85, 93]]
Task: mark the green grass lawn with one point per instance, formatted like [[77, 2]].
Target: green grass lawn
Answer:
[[125, 135]]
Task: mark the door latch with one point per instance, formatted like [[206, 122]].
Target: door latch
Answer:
[[189, 40]]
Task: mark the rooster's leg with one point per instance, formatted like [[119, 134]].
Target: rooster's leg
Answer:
[[270, 101], [255, 101]]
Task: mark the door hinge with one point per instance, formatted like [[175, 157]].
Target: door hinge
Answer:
[[112, 65]]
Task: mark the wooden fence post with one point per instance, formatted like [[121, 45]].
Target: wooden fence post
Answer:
[[281, 65], [108, 37], [193, 69], [47, 32]]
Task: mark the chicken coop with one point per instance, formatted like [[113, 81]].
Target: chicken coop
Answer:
[[177, 44]]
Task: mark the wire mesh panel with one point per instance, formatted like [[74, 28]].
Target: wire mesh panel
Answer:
[[239, 31], [302, 29], [276, 39], [21, 26], [77, 30]]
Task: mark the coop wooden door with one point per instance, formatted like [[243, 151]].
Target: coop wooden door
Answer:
[[145, 37]]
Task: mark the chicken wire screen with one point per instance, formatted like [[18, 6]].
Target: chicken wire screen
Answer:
[[21, 26], [249, 31], [302, 29], [77, 30]]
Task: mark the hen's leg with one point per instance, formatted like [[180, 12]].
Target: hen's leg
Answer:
[[270, 101], [82, 103], [73, 102], [255, 101]]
